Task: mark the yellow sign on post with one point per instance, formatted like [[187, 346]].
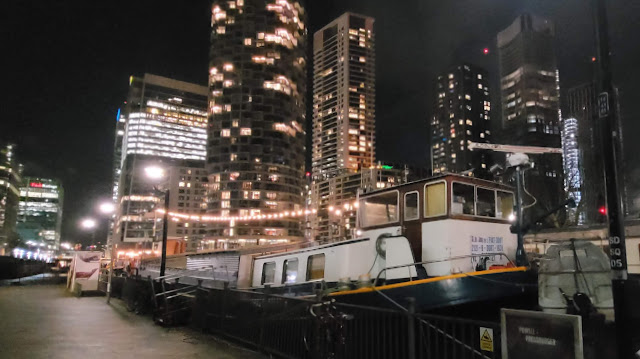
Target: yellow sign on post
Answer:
[[486, 339]]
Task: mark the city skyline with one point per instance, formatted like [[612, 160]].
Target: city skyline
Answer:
[[401, 99]]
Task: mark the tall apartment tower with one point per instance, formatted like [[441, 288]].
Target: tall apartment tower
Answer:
[[256, 147], [462, 115], [165, 124], [530, 104], [343, 96]]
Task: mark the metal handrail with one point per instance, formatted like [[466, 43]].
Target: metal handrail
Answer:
[[182, 274], [375, 282]]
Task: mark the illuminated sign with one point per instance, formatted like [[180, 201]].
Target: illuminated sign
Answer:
[[35, 184]]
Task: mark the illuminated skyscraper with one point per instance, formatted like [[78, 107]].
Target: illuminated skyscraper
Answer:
[[40, 212], [343, 97], [530, 104], [462, 115], [165, 123], [10, 181], [257, 89]]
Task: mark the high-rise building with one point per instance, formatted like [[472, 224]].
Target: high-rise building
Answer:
[[257, 90], [121, 123], [462, 115], [165, 123], [40, 212], [10, 182], [571, 160], [530, 104], [343, 96], [580, 107]]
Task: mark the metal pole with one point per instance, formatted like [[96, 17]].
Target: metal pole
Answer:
[[611, 156], [110, 272], [411, 329], [521, 256], [165, 227]]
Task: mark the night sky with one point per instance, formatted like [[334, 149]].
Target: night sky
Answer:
[[67, 65]]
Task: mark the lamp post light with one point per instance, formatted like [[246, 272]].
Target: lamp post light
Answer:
[[107, 208], [157, 173], [89, 224]]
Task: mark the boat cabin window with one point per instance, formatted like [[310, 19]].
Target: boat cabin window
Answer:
[[486, 202], [463, 199], [315, 267], [268, 272], [379, 209], [411, 206], [290, 271], [435, 195], [504, 204]]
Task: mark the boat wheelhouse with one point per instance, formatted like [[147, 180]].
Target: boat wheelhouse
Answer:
[[449, 225]]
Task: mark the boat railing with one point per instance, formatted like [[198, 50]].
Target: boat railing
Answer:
[[375, 282]]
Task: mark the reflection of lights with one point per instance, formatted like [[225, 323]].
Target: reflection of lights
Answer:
[[511, 217], [359, 232]]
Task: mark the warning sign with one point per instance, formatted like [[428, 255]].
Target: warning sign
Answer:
[[486, 339]]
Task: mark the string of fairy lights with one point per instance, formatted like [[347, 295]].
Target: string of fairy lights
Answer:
[[335, 210]]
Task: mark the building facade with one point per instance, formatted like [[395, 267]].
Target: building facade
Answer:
[[580, 106], [256, 147], [571, 160], [10, 182], [165, 125], [530, 104], [343, 96], [462, 115], [335, 200], [40, 212]]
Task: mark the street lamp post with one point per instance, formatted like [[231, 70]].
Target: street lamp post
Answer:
[[108, 208], [90, 225], [157, 173], [165, 229]]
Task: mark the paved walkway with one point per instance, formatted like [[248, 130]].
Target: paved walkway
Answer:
[[44, 321]]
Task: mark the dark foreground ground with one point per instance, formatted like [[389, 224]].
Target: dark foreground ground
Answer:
[[44, 321]]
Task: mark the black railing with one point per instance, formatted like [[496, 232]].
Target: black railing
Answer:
[[303, 328]]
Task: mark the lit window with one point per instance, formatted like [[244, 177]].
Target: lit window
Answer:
[[221, 30], [225, 132], [245, 132], [226, 195], [247, 41], [228, 67], [467, 97], [255, 195], [233, 157], [225, 204]]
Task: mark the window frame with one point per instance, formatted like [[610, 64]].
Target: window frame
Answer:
[[475, 201], [263, 280], [404, 209], [284, 270], [446, 201], [397, 220], [495, 202], [309, 261]]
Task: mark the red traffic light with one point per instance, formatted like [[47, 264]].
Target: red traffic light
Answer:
[[485, 50], [602, 210]]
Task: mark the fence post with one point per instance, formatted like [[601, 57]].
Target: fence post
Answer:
[[263, 316], [411, 333]]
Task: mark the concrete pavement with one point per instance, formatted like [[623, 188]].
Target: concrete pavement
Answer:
[[44, 321]]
